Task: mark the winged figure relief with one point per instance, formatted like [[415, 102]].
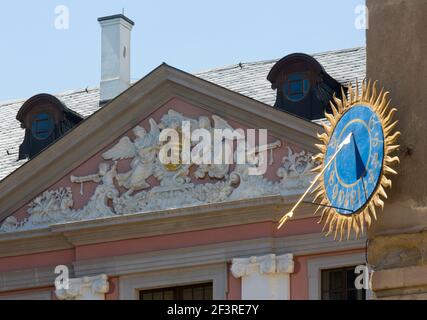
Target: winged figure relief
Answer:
[[143, 151], [218, 170], [220, 123], [174, 120]]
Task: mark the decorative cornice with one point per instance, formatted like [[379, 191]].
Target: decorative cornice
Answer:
[[86, 288], [72, 234], [268, 264], [162, 222], [307, 244], [29, 279]]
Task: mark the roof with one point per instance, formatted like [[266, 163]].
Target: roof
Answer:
[[249, 79]]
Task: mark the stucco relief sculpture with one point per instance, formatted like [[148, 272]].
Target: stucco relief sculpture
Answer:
[[143, 152], [215, 171], [105, 191], [268, 264], [50, 208], [265, 277], [295, 172], [86, 288], [177, 184]]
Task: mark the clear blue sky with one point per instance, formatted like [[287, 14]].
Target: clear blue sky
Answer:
[[192, 35]]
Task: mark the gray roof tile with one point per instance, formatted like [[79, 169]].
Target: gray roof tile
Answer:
[[249, 79]]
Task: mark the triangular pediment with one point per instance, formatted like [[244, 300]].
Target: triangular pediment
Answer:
[[106, 167]]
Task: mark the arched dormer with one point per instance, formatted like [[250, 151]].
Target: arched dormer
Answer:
[[45, 119], [303, 86]]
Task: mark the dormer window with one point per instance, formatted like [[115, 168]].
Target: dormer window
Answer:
[[296, 86], [42, 126], [303, 87], [45, 120]]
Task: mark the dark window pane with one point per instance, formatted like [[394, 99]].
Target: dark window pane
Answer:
[[339, 284], [337, 296], [208, 293], [147, 296], [352, 295], [198, 293], [336, 282], [351, 278], [187, 294], [193, 292], [168, 295], [326, 296], [158, 295], [42, 126], [296, 86]]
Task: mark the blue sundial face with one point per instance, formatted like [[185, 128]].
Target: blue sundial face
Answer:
[[353, 176]]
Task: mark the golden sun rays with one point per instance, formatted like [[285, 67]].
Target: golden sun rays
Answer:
[[342, 225]]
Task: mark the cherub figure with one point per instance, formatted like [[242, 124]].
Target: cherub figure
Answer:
[[105, 191], [218, 170], [143, 151]]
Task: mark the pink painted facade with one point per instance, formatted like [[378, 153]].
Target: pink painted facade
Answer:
[[298, 280]]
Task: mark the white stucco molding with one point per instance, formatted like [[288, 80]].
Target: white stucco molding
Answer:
[[265, 277], [268, 264], [86, 288]]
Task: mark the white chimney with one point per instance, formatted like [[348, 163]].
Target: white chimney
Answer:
[[115, 56]]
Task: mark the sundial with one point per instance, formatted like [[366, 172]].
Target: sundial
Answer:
[[356, 160]]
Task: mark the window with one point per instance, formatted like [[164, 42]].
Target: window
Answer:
[[296, 86], [42, 126], [193, 292], [338, 284]]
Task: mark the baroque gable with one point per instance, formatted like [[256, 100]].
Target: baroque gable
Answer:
[[128, 176]]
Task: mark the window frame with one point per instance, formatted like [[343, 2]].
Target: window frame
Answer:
[[344, 278], [303, 77], [131, 285], [316, 265], [178, 291], [51, 124]]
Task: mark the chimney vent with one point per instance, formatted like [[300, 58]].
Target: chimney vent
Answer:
[[115, 56]]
